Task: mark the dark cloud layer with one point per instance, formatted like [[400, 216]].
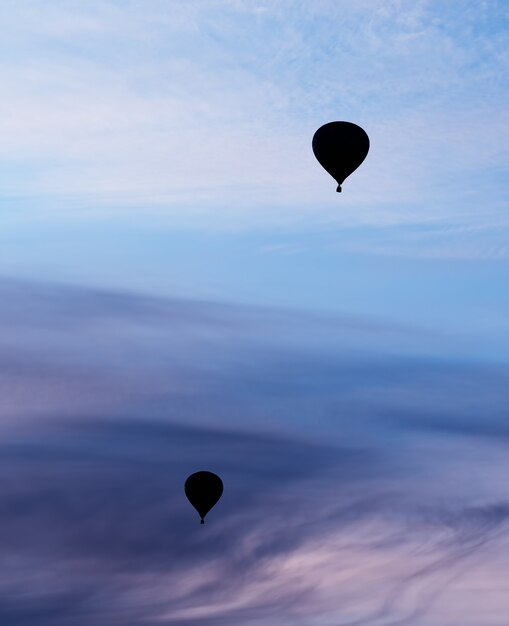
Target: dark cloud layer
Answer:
[[347, 464], [108, 496], [93, 507]]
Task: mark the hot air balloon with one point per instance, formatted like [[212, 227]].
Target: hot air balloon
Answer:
[[340, 147], [203, 490]]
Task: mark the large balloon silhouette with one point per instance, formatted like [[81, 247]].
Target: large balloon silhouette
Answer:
[[203, 490], [340, 148]]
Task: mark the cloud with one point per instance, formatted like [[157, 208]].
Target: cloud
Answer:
[[454, 243], [98, 510], [346, 500], [115, 108], [93, 348], [95, 521]]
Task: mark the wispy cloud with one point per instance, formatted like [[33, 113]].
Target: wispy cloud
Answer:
[[465, 238], [196, 105]]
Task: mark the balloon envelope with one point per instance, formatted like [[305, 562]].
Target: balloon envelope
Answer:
[[203, 490], [340, 148]]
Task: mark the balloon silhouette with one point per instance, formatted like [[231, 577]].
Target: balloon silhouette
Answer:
[[340, 147], [203, 490]]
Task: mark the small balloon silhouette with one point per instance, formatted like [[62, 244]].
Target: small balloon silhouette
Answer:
[[340, 147], [203, 490]]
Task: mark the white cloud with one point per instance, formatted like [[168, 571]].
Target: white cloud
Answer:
[[213, 104]]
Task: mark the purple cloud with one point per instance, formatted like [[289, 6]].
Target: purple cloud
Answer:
[[349, 497]]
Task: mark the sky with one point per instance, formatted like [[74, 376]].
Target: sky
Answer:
[[182, 289]]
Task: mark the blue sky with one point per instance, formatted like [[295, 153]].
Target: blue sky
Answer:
[[181, 286]]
